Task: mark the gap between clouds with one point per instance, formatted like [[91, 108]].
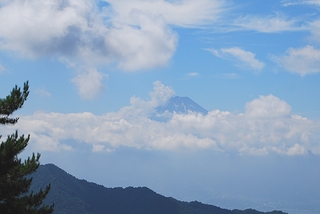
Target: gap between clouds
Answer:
[[267, 126]]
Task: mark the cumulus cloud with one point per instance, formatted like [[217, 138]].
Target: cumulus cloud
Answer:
[[246, 58], [133, 34], [144, 108], [268, 24], [89, 82], [268, 107], [303, 61], [266, 126]]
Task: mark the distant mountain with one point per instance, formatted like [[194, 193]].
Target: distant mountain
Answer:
[[181, 105], [71, 195]]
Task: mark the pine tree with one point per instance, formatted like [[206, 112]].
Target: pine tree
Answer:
[[15, 197]]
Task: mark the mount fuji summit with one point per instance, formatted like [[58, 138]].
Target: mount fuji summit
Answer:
[[179, 105]]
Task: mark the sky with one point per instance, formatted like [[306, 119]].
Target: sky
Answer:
[[98, 69]]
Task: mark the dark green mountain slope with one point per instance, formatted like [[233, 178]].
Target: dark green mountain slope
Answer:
[[71, 195]]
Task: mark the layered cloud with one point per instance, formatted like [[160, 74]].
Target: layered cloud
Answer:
[[266, 126], [246, 59], [303, 61]]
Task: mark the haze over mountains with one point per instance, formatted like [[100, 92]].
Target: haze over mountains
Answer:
[[71, 195], [213, 177], [179, 105]]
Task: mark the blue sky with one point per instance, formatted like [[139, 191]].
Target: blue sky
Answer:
[[97, 69]]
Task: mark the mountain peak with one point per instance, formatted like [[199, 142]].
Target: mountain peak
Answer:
[[181, 105]]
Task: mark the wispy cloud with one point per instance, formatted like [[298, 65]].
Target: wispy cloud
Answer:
[[183, 13], [303, 61], [227, 76], [42, 92], [296, 2], [192, 74], [315, 30], [2, 68], [267, 126], [246, 58], [268, 24]]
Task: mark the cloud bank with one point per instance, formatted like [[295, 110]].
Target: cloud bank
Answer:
[[266, 126]]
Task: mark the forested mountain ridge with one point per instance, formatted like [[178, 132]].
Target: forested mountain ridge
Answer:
[[72, 195]]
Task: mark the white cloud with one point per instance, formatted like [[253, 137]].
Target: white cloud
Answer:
[[141, 108], [133, 34], [268, 24], [2, 68], [89, 83], [296, 2], [186, 13], [160, 94], [315, 30], [100, 148], [193, 74], [303, 61], [227, 76], [42, 92], [246, 58], [267, 126], [268, 107], [48, 143], [296, 149]]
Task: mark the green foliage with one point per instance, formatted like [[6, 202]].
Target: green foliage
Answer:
[[13, 102], [15, 197]]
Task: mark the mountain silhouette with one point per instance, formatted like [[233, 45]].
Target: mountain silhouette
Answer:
[[71, 195], [181, 105]]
